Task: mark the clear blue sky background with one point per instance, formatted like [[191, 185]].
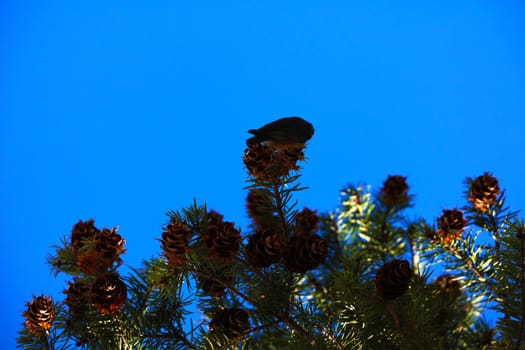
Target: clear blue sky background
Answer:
[[122, 110]]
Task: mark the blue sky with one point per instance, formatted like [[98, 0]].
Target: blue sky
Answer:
[[122, 110]]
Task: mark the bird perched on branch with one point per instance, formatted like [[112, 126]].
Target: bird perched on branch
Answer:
[[283, 133]]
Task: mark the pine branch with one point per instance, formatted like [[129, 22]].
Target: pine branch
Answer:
[[330, 337], [297, 328], [280, 205], [467, 261]]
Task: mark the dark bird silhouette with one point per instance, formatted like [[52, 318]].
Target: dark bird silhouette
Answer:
[[283, 133]]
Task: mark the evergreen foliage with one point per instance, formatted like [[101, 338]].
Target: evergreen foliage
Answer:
[[362, 277]]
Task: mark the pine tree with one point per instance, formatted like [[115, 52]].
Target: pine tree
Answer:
[[362, 277]]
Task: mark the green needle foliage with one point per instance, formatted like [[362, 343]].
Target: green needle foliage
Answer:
[[362, 277]]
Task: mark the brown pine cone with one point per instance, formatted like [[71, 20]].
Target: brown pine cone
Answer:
[[77, 297], [306, 221], [108, 293], [264, 248], [483, 192], [211, 287], [288, 158], [175, 242], [392, 279], [257, 159], [215, 217], [260, 208], [109, 246], [293, 155], [214, 281], [267, 163], [222, 239], [305, 252], [231, 322], [450, 225], [259, 203], [448, 285], [394, 192], [39, 315], [83, 231]]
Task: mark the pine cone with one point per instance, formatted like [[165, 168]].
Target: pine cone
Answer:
[[266, 163], [306, 221], [231, 322], [483, 192], [108, 293], [264, 248], [257, 159], [392, 279], [394, 192], [174, 242], [215, 284], [261, 209], [77, 298], [448, 285], [83, 231], [450, 225], [39, 315], [211, 287], [109, 245], [305, 253], [259, 204], [221, 240], [293, 155], [215, 217], [288, 158]]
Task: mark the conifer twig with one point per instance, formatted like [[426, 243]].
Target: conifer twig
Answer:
[[145, 299], [412, 251], [494, 230], [176, 335], [120, 328], [297, 328], [279, 205], [472, 268], [393, 314], [330, 337], [225, 285], [46, 340]]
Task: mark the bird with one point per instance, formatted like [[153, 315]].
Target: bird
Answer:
[[283, 133]]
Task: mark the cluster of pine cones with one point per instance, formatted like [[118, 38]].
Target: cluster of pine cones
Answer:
[[219, 240], [96, 252], [90, 255], [393, 278], [301, 251], [482, 194]]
